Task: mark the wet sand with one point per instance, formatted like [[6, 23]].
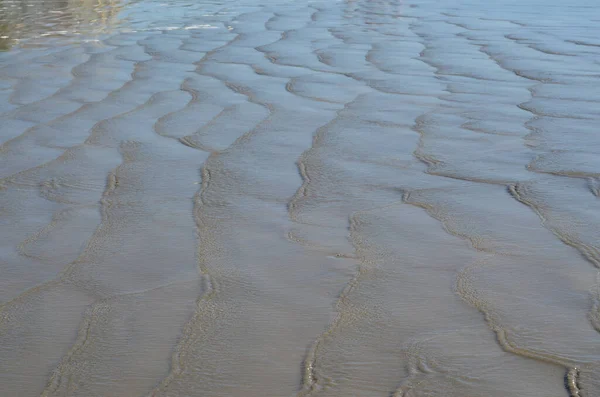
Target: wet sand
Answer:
[[351, 198]]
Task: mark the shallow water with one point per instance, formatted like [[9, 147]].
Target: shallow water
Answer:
[[350, 198]]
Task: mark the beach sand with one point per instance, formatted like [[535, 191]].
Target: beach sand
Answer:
[[367, 198]]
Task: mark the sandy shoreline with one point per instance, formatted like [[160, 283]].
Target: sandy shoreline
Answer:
[[360, 198]]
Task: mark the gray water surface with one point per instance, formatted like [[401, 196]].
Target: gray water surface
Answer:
[[299, 198]]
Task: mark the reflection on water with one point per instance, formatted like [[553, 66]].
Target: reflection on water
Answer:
[[21, 19]]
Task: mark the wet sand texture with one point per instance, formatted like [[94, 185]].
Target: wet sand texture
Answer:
[[327, 198]]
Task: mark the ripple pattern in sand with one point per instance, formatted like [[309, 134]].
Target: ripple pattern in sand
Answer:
[[361, 198]]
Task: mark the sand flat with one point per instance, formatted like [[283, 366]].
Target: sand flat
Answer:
[[292, 199]]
